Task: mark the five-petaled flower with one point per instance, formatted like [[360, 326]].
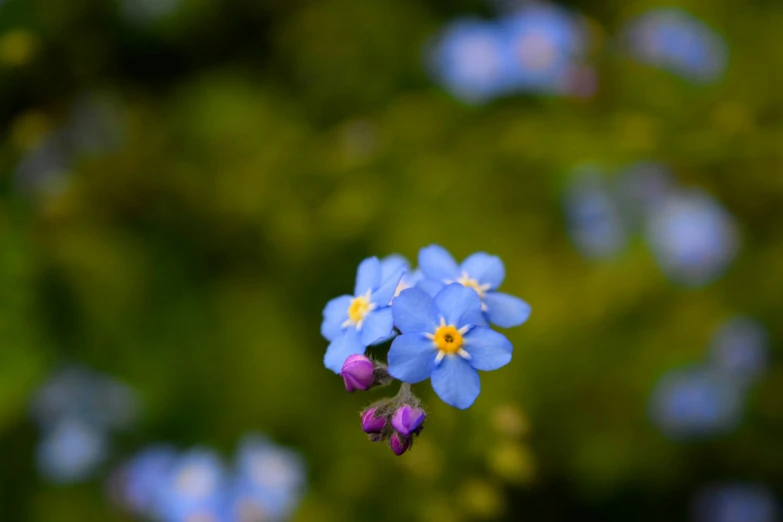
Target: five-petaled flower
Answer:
[[352, 323], [443, 337], [483, 273]]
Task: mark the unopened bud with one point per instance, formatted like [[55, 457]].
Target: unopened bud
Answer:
[[371, 423], [408, 420], [399, 444], [358, 373]]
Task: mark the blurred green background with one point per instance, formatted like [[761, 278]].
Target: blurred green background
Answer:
[[267, 147]]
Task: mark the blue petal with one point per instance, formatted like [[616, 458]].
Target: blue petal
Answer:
[[506, 310], [488, 349], [456, 382], [460, 305], [415, 311], [368, 276], [377, 326], [391, 263], [335, 314], [411, 357], [436, 263], [484, 268], [430, 286], [343, 346], [383, 295]]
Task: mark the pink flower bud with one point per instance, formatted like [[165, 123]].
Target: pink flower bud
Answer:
[[358, 373], [372, 424], [399, 444], [407, 420]]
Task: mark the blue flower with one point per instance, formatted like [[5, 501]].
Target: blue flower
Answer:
[[442, 339], [692, 237], [543, 46], [270, 480], [352, 323], [593, 216], [673, 39], [469, 60], [71, 451], [694, 403], [736, 502], [481, 272], [193, 487], [143, 478], [739, 350]]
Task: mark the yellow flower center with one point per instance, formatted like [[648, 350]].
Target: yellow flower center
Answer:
[[360, 306], [448, 339]]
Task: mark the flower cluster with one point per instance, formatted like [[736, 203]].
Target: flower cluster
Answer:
[[691, 235], [704, 400], [438, 320], [537, 49], [77, 410], [162, 484], [675, 40], [541, 48]]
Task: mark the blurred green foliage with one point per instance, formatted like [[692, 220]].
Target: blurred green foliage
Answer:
[[270, 146]]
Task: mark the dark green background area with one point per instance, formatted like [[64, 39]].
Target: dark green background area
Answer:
[[269, 147]]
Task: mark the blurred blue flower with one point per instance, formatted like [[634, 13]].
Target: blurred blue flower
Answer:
[[440, 339], [736, 502], [269, 480], [593, 216], [641, 187], [481, 272], [695, 402], [675, 40], [543, 45], [469, 59], [143, 479], [71, 451], [693, 238], [351, 323], [193, 487], [739, 349], [92, 398]]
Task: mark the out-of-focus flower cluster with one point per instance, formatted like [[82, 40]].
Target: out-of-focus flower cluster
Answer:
[[159, 483], [691, 235], [540, 48], [736, 502], [707, 400], [438, 321], [77, 410]]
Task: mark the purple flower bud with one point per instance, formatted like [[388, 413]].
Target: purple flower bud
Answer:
[[358, 373], [372, 424], [407, 420], [399, 444]]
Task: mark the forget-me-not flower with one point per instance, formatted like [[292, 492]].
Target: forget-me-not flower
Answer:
[[695, 402], [739, 349], [352, 323], [543, 45], [693, 237], [675, 40], [469, 59], [143, 479], [442, 340], [71, 451], [736, 502], [481, 272], [269, 479], [593, 216], [194, 487]]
